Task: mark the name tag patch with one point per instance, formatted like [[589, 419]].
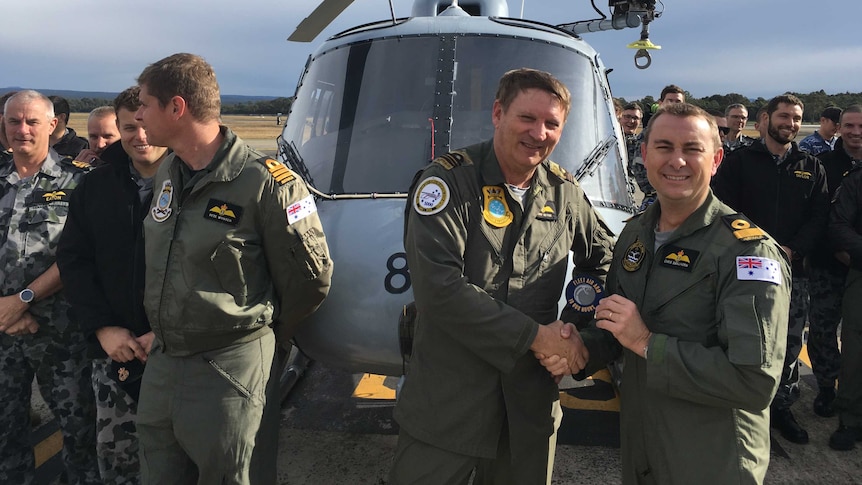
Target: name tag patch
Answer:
[[680, 258], [755, 268], [57, 197], [548, 212], [224, 212], [299, 210]]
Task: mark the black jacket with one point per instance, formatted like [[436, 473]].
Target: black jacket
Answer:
[[837, 164], [845, 218], [71, 144], [101, 251], [790, 200]]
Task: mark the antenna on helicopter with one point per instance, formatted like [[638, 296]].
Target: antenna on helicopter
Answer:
[[626, 14]]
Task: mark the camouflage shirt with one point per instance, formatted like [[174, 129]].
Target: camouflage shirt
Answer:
[[32, 214], [742, 141]]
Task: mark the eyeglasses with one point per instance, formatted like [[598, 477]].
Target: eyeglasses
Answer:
[[724, 130], [631, 118]]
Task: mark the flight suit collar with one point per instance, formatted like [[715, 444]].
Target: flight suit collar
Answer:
[[700, 218]]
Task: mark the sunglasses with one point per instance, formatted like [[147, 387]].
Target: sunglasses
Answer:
[[723, 130]]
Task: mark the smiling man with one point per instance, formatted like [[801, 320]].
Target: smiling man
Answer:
[[698, 300], [101, 260], [488, 233], [783, 190], [37, 336], [101, 132]]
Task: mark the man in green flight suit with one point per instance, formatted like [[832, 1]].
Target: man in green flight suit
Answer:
[[488, 234], [699, 299]]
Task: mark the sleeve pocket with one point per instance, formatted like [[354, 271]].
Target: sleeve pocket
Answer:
[[744, 335], [307, 255]]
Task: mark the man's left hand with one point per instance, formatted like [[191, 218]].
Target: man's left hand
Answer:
[[11, 311], [620, 316], [25, 325]]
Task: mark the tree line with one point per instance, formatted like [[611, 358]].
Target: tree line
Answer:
[[264, 107], [815, 102]]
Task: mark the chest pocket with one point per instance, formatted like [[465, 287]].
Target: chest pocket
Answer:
[[550, 251], [42, 225], [683, 302]]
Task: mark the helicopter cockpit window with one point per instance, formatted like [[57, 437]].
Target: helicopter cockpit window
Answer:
[[480, 61], [361, 119]]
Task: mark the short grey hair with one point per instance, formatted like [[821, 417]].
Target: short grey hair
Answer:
[[29, 95]]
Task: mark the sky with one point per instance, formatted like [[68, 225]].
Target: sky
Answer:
[[752, 47]]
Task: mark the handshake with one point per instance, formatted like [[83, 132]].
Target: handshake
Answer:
[[560, 349]]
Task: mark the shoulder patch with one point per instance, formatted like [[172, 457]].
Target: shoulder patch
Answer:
[[743, 229], [758, 268], [431, 196], [560, 172], [453, 159], [278, 170]]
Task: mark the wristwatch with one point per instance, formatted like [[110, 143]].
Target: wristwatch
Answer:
[[27, 295]]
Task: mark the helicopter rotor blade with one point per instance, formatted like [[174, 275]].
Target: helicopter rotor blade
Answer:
[[319, 19]]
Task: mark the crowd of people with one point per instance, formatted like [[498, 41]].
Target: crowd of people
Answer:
[[146, 286]]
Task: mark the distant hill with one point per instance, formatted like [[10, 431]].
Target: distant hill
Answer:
[[226, 99]]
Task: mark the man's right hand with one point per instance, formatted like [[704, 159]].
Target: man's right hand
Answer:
[[120, 344], [559, 348]]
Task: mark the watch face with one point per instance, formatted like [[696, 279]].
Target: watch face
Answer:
[[26, 295]]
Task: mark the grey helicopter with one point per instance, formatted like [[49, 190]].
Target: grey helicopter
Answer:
[[375, 103]]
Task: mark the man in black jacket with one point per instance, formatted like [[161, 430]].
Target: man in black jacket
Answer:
[[783, 190], [845, 230], [828, 274], [64, 140], [101, 260]]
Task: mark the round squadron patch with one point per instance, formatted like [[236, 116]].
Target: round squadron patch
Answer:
[[431, 197], [162, 210], [583, 293], [634, 256]]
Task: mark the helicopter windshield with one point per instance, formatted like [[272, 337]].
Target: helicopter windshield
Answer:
[[365, 122]]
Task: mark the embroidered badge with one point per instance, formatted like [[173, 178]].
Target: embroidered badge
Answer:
[[122, 374], [279, 171], [634, 256], [300, 210], [224, 212], [802, 174], [755, 268], [548, 212], [496, 210], [583, 293], [431, 196], [744, 230], [80, 164], [54, 198], [162, 210], [680, 258]]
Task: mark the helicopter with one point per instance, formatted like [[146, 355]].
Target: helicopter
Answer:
[[375, 103]]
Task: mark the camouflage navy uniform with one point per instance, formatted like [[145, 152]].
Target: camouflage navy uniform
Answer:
[[742, 141], [32, 214], [115, 428], [638, 170]]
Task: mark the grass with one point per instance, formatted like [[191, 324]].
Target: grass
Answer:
[[247, 127]]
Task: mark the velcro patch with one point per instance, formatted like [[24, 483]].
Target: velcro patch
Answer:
[[224, 212], [431, 196], [300, 210], [40, 197], [679, 258], [757, 268]]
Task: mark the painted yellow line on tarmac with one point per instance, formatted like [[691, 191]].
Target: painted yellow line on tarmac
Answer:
[[48, 447]]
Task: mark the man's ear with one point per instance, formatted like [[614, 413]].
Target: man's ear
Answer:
[[178, 107]]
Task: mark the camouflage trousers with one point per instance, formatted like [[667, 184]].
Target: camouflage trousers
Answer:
[[62, 371], [827, 289], [788, 388], [116, 437]]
